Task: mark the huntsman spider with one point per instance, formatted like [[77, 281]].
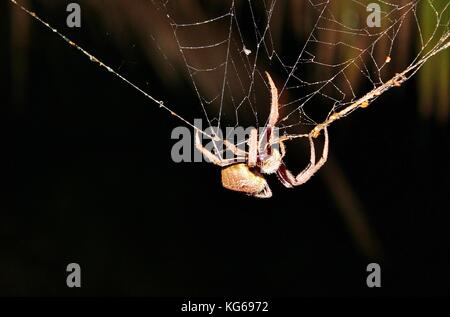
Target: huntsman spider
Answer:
[[245, 173]]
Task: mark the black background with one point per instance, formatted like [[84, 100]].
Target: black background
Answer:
[[88, 178]]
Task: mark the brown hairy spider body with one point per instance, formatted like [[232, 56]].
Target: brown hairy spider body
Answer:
[[240, 178], [248, 177]]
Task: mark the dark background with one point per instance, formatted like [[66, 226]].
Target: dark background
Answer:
[[88, 178]]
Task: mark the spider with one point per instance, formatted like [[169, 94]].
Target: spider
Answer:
[[248, 177]]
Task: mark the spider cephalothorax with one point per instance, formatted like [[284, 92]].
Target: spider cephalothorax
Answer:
[[248, 177]]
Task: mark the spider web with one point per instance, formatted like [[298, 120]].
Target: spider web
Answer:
[[343, 64], [332, 64]]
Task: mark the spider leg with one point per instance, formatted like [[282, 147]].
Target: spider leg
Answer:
[[304, 176], [268, 135], [321, 161], [286, 177], [239, 153], [253, 148], [235, 149], [282, 148], [210, 156], [273, 116], [312, 158]]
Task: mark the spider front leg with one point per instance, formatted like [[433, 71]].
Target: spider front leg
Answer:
[[311, 170], [267, 137], [286, 177], [208, 154]]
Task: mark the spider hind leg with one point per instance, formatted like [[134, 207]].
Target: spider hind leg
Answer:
[[284, 177]]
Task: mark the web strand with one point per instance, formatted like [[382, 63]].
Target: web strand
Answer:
[[225, 54]]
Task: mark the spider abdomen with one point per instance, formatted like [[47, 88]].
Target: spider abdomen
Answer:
[[240, 178]]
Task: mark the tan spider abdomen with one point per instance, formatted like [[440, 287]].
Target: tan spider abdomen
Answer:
[[239, 177]]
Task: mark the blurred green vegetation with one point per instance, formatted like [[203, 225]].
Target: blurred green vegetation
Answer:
[[434, 78]]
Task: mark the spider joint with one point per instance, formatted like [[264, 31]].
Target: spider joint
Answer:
[[364, 104], [316, 131], [398, 80]]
